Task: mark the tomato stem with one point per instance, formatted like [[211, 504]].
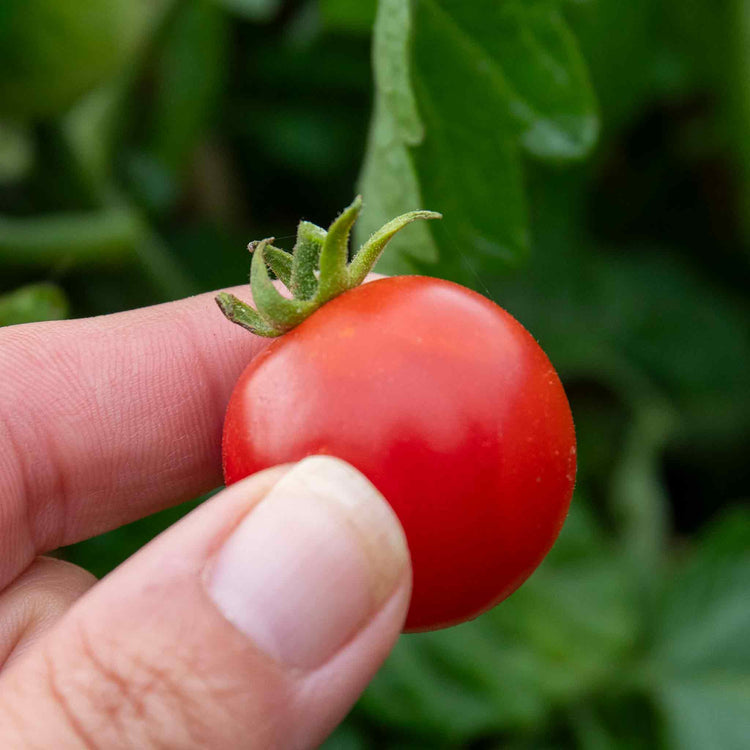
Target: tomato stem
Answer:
[[315, 272]]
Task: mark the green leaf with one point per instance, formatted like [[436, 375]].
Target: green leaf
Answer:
[[51, 53], [33, 303], [527, 56], [632, 32], [656, 325], [346, 737], [189, 74], [390, 182], [701, 660], [739, 91], [708, 714], [461, 90], [90, 129], [705, 616], [590, 732], [347, 16], [16, 152], [256, 10], [638, 495], [392, 67]]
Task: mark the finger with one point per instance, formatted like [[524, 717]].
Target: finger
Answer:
[[105, 420], [251, 623], [35, 601]]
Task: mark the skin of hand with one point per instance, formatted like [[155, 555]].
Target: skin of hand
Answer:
[[254, 622]]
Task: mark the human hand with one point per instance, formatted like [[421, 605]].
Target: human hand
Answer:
[[255, 621]]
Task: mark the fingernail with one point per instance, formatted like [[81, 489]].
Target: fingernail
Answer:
[[311, 563]]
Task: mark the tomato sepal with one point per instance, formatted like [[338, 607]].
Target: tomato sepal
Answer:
[[316, 272]]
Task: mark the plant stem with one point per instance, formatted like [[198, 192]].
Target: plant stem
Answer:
[[112, 236], [87, 238]]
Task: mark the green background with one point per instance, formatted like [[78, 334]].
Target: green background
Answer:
[[592, 160]]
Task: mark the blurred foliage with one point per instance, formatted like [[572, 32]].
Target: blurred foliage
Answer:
[[164, 139], [461, 89], [33, 303], [52, 52]]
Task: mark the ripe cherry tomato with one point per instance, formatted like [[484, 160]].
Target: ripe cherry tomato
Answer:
[[448, 405]]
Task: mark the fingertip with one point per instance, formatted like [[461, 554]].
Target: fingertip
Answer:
[[322, 549]]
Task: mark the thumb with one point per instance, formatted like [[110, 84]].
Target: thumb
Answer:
[[254, 622]]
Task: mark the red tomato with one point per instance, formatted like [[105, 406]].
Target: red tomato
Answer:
[[448, 405]]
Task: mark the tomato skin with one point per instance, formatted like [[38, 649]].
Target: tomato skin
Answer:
[[448, 405]]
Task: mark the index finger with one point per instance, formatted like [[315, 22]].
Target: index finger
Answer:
[[105, 420]]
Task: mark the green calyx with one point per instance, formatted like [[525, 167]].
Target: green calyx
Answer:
[[316, 271]]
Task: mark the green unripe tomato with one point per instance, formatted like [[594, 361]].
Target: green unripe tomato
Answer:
[[53, 51]]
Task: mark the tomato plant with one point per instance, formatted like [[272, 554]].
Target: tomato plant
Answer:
[[440, 397]]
